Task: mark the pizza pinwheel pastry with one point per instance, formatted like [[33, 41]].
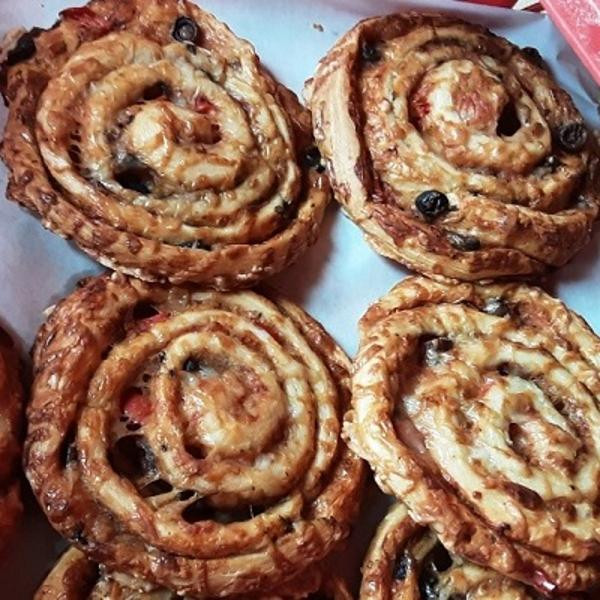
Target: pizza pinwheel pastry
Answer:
[[191, 439], [407, 562], [150, 135], [11, 403], [74, 577], [455, 151], [478, 407]]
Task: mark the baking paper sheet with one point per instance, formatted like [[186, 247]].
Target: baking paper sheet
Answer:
[[335, 280]]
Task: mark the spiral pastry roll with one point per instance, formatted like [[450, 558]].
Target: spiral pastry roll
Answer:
[[407, 562], [191, 439], [152, 136], [455, 151], [478, 408], [11, 404], [75, 577]]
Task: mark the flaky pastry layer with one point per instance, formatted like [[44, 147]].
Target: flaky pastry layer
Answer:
[[407, 562], [74, 577]]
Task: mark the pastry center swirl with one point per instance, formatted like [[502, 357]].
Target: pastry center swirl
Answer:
[[223, 409]]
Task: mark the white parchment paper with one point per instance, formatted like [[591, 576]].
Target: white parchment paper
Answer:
[[335, 280]]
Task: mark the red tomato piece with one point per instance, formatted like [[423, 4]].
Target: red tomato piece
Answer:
[[87, 18], [419, 104], [203, 105], [136, 405], [421, 107], [145, 324]]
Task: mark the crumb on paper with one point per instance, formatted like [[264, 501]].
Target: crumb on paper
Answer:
[[318, 27]]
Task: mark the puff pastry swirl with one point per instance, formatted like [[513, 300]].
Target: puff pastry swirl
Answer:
[[74, 577], [477, 406], [455, 151], [191, 439], [152, 136], [407, 562], [11, 405]]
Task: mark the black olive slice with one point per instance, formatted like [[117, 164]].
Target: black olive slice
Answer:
[[370, 53], [572, 137], [191, 365], [195, 245], [312, 159], [402, 566], [432, 204], [496, 307], [24, 48], [185, 30]]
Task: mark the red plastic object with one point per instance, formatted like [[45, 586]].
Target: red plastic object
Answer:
[[579, 22], [505, 3]]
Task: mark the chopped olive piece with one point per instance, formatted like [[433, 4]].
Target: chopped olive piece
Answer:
[[432, 204], [131, 456], [466, 243], [24, 48], [159, 89], [572, 137], [402, 566], [496, 307], [185, 30], [191, 365], [370, 53], [312, 159], [433, 347]]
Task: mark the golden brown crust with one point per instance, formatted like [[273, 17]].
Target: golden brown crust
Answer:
[[74, 577], [189, 438], [165, 160], [410, 103], [71, 578], [407, 562], [478, 407], [11, 405]]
